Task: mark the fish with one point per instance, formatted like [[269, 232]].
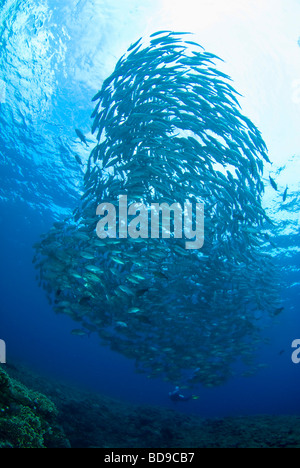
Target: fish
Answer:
[[284, 197], [278, 311], [78, 159], [81, 136], [142, 292], [138, 276], [134, 310], [94, 269], [169, 128], [159, 33], [273, 183], [160, 275], [118, 261], [87, 255], [126, 290], [79, 332], [134, 46], [85, 300], [121, 325]]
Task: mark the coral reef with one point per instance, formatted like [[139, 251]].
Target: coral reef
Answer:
[[28, 419], [91, 420]]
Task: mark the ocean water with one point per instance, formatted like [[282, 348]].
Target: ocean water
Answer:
[[54, 58]]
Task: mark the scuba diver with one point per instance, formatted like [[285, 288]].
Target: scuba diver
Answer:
[[176, 396]]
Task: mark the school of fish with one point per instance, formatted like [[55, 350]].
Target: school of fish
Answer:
[[169, 129]]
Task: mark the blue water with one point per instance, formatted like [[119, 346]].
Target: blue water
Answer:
[[52, 63]]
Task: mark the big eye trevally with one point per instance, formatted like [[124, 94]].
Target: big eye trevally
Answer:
[[169, 129]]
